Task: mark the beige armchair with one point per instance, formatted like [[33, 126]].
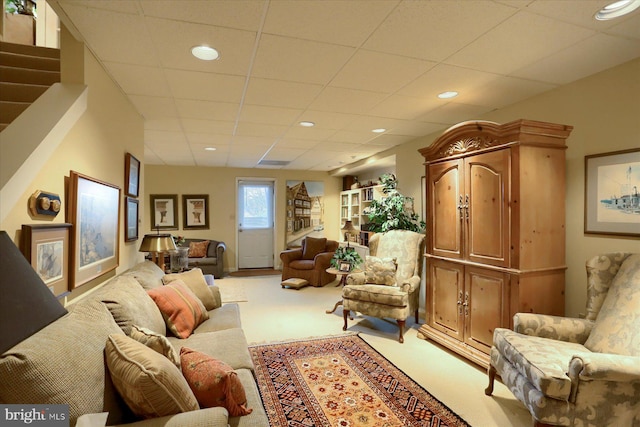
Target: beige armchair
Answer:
[[579, 372], [389, 286]]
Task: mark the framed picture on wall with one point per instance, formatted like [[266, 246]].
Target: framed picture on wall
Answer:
[[612, 198], [46, 247], [132, 175], [164, 211], [195, 211], [94, 211], [131, 219]]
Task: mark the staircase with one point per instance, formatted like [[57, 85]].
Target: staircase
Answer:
[[26, 72]]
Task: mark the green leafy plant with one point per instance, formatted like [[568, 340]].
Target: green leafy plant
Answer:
[[394, 211], [23, 7], [344, 254]]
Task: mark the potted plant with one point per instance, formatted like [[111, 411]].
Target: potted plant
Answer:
[[394, 211], [343, 255]]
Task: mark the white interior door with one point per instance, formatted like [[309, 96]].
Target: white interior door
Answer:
[[255, 224]]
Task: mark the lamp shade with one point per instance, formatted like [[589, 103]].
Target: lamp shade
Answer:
[[26, 303], [348, 227], [157, 243]]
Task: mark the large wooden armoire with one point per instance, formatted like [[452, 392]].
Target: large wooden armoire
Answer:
[[495, 230]]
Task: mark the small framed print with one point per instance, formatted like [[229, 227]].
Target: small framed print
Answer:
[[164, 211], [132, 175], [344, 267], [131, 220], [612, 198], [195, 210], [46, 247]]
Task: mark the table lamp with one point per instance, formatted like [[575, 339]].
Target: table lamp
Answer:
[[156, 245], [347, 230], [26, 304]]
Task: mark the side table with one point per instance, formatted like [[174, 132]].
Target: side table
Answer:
[[343, 280]]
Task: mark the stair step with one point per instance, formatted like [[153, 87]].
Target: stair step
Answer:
[[33, 62], [20, 92], [22, 75], [29, 50], [10, 110]]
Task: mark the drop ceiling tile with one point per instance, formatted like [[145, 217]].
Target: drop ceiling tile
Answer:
[[151, 158], [209, 140], [244, 15], [426, 30], [287, 154], [581, 60], [388, 140], [207, 110], [379, 72], [217, 127], [522, 40], [296, 143], [328, 119], [348, 101], [303, 61], [415, 128], [219, 162], [339, 147], [350, 22], [139, 80], [442, 78], [152, 107], [313, 133], [578, 12], [157, 138], [261, 142], [235, 46], [503, 91], [279, 93], [351, 137], [405, 107], [629, 27], [205, 86], [179, 158], [260, 129], [122, 7], [269, 115], [368, 123], [106, 33], [163, 124], [453, 113], [242, 161]]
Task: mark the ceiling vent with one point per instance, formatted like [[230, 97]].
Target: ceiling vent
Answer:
[[273, 162]]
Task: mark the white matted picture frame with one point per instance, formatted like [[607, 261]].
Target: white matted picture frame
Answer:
[[46, 247], [94, 211], [132, 175], [612, 200], [195, 211]]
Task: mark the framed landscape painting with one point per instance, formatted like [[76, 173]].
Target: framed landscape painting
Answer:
[[46, 247], [94, 211], [612, 200]]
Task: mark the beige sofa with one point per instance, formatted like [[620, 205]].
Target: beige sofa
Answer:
[[64, 363]]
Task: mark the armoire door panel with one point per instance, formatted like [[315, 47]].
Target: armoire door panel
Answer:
[[485, 296], [445, 180], [487, 216], [446, 312]]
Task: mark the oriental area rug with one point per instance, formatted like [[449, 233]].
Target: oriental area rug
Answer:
[[341, 381]]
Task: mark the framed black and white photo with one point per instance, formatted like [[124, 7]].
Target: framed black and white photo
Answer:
[[612, 200]]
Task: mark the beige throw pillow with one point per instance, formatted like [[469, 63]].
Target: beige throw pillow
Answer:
[[380, 271], [194, 279], [155, 342], [148, 382]]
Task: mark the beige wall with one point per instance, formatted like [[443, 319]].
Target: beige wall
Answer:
[[96, 147], [604, 111], [220, 185]]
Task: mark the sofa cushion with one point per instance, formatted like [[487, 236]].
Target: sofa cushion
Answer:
[[302, 264], [313, 246], [380, 271], [194, 279], [156, 342], [151, 385], [617, 325], [130, 305], [198, 249], [213, 382], [181, 309], [63, 364], [390, 296], [147, 273]]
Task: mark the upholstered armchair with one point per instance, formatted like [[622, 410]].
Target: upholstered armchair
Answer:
[[389, 286], [310, 261], [579, 372]]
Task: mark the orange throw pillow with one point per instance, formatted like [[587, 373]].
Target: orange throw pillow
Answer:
[[213, 382], [181, 308], [198, 249]]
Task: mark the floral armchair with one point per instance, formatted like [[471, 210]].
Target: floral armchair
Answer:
[[579, 372], [389, 286]]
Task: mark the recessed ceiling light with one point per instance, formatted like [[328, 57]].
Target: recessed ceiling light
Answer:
[[210, 149], [307, 124], [617, 9], [380, 130], [205, 53], [448, 94]]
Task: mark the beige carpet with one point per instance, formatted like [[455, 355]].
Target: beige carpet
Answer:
[[255, 272], [232, 289]]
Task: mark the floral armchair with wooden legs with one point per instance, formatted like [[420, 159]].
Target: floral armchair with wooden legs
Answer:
[[389, 286], [579, 372]]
